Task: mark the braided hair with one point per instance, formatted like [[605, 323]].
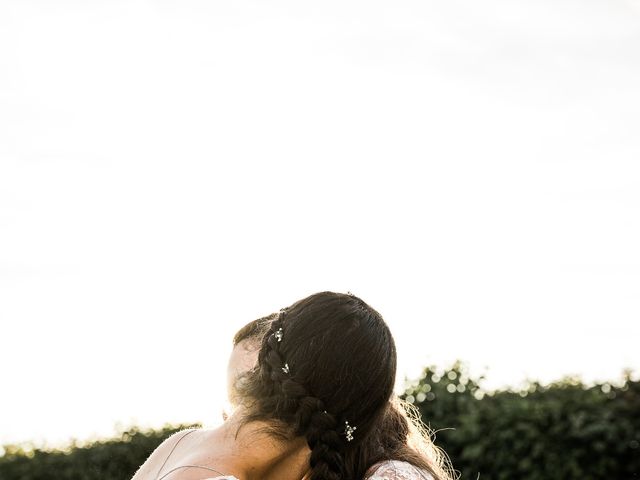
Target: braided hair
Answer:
[[325, 372]]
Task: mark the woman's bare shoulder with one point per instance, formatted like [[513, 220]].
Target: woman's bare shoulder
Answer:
[[397, 470], [150, 467]]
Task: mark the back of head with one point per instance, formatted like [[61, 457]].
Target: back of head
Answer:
[[326, 370], [254, 330]]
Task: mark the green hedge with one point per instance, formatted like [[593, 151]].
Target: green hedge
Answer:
[[112, 459], [565, 430]]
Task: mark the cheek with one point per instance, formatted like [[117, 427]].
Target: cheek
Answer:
[[240, 361], [249, 360], [232, 369]]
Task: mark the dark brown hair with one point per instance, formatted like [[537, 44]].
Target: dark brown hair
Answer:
[[326, 360], [395, 429]]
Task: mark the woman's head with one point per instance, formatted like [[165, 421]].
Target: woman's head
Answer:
[[326, 366], [244, 356]]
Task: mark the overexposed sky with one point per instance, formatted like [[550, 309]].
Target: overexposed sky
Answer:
[[172, 170]]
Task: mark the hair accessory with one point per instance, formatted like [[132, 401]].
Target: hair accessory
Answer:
[[279, 334], [285, 369], [348, 431]]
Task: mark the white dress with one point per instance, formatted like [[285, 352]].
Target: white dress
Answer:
[[397, 470]]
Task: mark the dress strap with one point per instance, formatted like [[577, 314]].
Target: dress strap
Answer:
[[174, 447], [193, 466]]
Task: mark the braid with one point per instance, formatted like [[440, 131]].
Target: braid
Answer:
[[290, 401], [271, 374], [327, 461]]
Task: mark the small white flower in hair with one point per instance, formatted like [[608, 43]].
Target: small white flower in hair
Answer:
[[279, 334], [285, 369], [348, 429]]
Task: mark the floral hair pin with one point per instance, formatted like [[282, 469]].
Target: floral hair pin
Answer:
[[279, 334], [348, 431]]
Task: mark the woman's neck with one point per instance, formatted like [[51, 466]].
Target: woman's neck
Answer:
[[250, 453]]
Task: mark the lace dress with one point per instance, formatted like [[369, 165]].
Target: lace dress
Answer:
[[397, 470]]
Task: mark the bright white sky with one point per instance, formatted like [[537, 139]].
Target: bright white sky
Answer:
[[172, 170]]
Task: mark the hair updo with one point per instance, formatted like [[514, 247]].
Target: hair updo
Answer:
[[327, 363]]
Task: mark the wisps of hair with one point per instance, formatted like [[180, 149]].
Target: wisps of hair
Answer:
[[254, 329]]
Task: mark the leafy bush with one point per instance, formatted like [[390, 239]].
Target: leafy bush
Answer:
[[113, 459], [564, 430]]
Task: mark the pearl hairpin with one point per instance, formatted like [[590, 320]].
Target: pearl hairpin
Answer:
[[348, 429], [279, 334]]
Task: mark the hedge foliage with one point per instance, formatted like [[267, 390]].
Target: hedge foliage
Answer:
[[111, 459], [565, 430]]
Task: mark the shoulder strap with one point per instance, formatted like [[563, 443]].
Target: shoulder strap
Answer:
[[174, 447], [223, 477]]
